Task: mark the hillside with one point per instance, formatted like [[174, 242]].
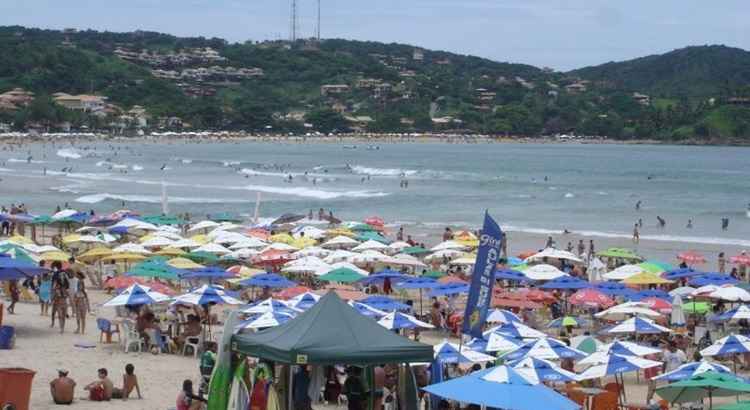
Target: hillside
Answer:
[[705, 71], [123, 82]]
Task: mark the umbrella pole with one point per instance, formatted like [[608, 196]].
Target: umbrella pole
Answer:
[[421, 312]]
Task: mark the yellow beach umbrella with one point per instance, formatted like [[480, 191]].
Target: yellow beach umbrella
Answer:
[[72, 238], [243, 272], [201, 239], [183, 263], [340, 231], [58, 256], [94, 254], [125, 257], [281, 238], [646, 278], [303, 242], [466, 259], [20, 240], [174, 252]]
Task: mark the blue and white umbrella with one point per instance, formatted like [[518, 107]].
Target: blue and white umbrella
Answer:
[[511, 275], [738, 313], [385, 303], [209, 272], [516, 330], [649, 293], [416, 282], [398, 320], [613, 289], [545, 348], [12, 269], [503, 316], [566, 283], [268, 280], [449, 289], [380, 277], [304, 301], [638, 325], [607, 364], [689, 370], [367, 310], [717, 279], [270, 305], [263, 321], [681, 273], [728, 345], [207, 295], [497, 342], [137, 295], [626, 349], [541, 371], [452, 353]]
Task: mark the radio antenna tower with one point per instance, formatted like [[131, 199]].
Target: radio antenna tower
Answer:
[[293, 23], [317, 33]]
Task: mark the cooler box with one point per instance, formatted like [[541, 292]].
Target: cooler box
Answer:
[[7, 337], [15, 387]]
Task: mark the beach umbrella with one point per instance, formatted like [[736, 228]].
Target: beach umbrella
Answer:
[[315, 251], [211, 248], [658, 304], [343, 275], [698, 387], [269, 305], [502, 316], [205, 295], [371, 235], [397, 320], [183, 263], [501, 387], [613, 289], [585, 343], [565, 283], [339, 256], [689, 370], [367, 310], [619, 253], [730, 294], [499, 342], [717, 279], [623, 272], [605, 364], [263, 321], [12, 269], [385, 303], [202, 257], [122, 282], [304, 301], [741, 259], [369, 257], [245, 254], [308, 264], [569, 321], [211, 273], [649, 293], [736, 314], [131, 248], [185, 243], [250, 242], [691, 257], [681, 273], [19, 254], [137, 295], [516, 330], [552, 253], [677, 317], [543, 272], [156, 270], [728, 345], [449, 289], [623, 348], [157, 242], [638, 325], [444, 254], [58, 256], [627, 309], [453, 245], [268, 280], [434, 274], [510, 275], [682, 291], [545, 348], [340, 241], [452, 353], [403, 259], [417, 282], [399, 245], [370, 245], [590, 297], [696, 307], [539, 371], [654, 267], [380, 277], [646, 278], [203, 225]]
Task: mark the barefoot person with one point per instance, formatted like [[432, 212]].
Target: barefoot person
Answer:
[[100, 389], [62, 388], [60, 286], [129, 383], [186, 400], [79, 299], [15, 294]]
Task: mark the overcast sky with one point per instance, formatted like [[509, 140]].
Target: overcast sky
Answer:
[[562, 34]]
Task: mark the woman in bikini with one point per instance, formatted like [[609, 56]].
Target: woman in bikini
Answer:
[[80, 304]]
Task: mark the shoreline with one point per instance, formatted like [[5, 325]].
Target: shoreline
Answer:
[[14, 138]]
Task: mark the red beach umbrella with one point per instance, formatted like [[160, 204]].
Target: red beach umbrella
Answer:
[[658, 304], [122, 282], [741, 259], [591, 298], [289, 293], [691, 257]]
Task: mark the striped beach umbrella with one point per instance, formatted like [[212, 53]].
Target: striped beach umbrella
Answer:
[[398, 320], [545, 348], [638, 325], [625, 348], [137, 295], [265, 320], [516, 330], [607, 364], [207, 294], [728, 345], [738, 313], [689, 370], [540, 371], [452, 353], [503, 316]]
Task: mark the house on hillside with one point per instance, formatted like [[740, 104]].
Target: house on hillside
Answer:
[[15, 98], [576, 88], [82, 102], [642, 99], [329, 89]]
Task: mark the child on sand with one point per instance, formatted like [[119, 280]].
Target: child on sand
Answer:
[[129, 382]]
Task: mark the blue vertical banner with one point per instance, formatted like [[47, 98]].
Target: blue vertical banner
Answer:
[[483, 277]]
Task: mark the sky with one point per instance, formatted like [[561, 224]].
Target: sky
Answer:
[[561, 34]]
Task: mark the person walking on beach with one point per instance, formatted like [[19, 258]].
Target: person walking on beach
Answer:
[[591, 249], [581, 247], [79, 301], [636, 234], [722, 262], [44, 291], [638, 206], [15, 294], [60, 286]]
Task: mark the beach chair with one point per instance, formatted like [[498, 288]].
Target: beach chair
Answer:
[[131, 337], [605, 401], [578, 397], [614, 388], [106, 331], [192, 342]]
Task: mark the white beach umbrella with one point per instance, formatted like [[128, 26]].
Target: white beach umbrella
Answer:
[[171, 230], [131, 248], [340, 241], [245, 253], [638, 325], [134, 224], [448, 245], [350, 266], [730, 294], [446, 352], [203, 225], [250, 242], [620, 347], [214, 248], [407, 260], [185, 243], [623, 272], [167, 234], [397, 320], [264, 321], [445, 253], [65, 213], [279, 246], [157, 242], [90, 239], [608, 364], [312, 251], [369, 257], [543, 272], [339, 256], [552, 253], [227, 238], [540, 371], [370, 246], [309, 232], [682, 291], [627, 309], [399, 245], [308, 264]]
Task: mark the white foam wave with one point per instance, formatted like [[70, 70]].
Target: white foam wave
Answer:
[[137, 167], [320, 177], [69, 153], [186, 161], [314, 193], [230, 163], [19, 160], [570, 195], [156, 199], [383, 172]]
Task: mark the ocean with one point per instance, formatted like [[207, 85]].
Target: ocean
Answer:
[[590, 190]]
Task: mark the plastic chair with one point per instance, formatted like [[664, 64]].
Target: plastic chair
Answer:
[[614, 388], [605, 401], [105, 329], [131, 337], [192, 342], [578, 397]]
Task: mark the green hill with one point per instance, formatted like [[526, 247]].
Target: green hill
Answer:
[[158, 81]]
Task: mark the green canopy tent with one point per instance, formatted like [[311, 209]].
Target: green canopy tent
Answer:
[[331, 332], [709, 384]]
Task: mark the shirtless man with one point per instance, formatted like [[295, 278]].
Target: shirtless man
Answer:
[[129, 383], [101, 389], [62, 388]]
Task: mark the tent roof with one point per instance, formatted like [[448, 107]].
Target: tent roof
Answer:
[[331, 332]]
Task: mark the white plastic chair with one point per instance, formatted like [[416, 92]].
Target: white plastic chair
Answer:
[[131, 337], [193, 342]]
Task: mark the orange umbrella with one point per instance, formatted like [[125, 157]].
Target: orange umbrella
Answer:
[[526, 254], [259, 233], [122, 282], [289, 293], [451, 279], [691, 257]]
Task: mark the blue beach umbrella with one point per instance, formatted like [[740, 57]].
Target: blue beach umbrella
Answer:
[[728, 345], [452, 353], [137, 295], [638, 325], [511, 275], [265, 320], [209, 272], [503, 316], [717, 279], [501, 387], [398, 320], [380, 277], [608, 364], [385, 303], [566, 282], [207, 295], [449, 289], [304, 301], [541, 371], [367, 310], [269, 305], [738, 313], [681, 273], [269, 280], [516, 330], [650, 293], [417, 282], [11, 268], [627, 349], [614, 289], [689, 370], [545, 348]]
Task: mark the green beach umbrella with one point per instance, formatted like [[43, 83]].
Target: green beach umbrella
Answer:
[[435, 274], [371, 235], [709, 384], [363, 228], [155, 271], [164, 220], [18, 253], [43, 220], [652, 267], [415, 250], [621, 253], [587, 344], [343, 275], [202, 257], [742, 405], [696, 307]]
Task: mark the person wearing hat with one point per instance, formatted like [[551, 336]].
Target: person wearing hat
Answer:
[[62, 388]]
